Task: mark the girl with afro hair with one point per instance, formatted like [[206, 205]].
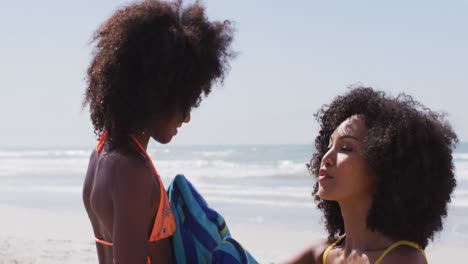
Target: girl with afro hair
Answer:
[[153, 60], [384, 178]]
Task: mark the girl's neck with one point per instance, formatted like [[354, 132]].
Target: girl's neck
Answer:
[[143, 138], [358, 236]]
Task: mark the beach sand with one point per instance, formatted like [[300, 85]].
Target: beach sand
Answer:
[[43, 236]]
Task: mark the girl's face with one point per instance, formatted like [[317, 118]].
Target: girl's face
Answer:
[[344, 172], [165, 128]]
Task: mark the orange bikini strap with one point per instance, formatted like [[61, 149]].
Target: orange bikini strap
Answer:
[[144, 152], [148, 260], [102, 140], [100, 241]]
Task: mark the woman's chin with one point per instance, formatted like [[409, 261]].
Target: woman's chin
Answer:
[[323, 194], [164, 140]]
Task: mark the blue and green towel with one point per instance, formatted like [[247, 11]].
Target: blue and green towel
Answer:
[[202, 235]]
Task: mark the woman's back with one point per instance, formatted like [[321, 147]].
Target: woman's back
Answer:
[[121, 184]]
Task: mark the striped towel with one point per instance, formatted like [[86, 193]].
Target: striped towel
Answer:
[[231, 252], [202, 235]]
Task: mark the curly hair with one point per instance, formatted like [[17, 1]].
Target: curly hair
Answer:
[[153, 58], [409, 147]]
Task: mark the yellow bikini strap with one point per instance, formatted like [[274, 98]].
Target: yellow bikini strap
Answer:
[[399, 243], [325, 253]]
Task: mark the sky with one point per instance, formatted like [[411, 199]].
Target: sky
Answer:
[[293, 57]]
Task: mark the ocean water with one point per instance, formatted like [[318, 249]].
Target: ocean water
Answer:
[[265, 184]]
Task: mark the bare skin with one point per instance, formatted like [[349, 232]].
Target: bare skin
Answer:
[[122, 195], [345, 177], [314, 255]]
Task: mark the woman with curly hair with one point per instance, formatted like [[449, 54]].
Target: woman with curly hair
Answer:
[[152, 62], [384, 178]]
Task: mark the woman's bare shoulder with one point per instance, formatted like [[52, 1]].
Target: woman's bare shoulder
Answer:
[[404, 255], [125, 162], [125, 172], [310, 255]]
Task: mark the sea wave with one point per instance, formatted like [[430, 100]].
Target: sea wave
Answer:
[[70, 189], [263, 202], [43, 167], [211, 154], [70, 163], [6, 154], [249, 191], [460, 157], [459, 203], [225, 169]]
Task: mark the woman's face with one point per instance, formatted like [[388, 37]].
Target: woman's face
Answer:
[[165, 128], [344, 172]]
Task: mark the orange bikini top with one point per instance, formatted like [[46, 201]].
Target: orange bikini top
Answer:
[[164, 224]]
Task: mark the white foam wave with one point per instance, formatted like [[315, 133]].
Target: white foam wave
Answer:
[[210, 154], [263, 202], [43, 153], [243, 191], [72, 189], [224, 169], [460, 194], [43, 166], [459, 203], [200, 168], [460, 157], [461, 171]]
